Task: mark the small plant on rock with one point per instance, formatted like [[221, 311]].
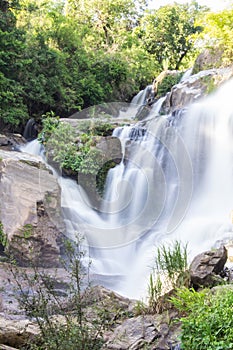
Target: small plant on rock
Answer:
[[60, 314], [172, 260], [3, 237], [170, 272]]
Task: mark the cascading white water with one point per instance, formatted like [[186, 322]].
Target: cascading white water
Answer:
[[174, 182]]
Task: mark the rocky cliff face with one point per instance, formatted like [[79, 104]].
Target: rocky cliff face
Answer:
[[194, 87], [30, 209]]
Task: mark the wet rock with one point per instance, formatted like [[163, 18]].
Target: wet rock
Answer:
[[4, 141], [11, 141], [206, 267], [110, 147], [194, 87]]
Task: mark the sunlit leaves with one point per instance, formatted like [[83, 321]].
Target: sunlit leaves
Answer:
[[168, 33], [219, 32]]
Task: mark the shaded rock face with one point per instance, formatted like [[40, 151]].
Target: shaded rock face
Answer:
[[110, 147], [11, 141], [206, 266], [30, 209], [194, 87]]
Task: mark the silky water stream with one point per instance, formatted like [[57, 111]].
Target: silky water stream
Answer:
[[174, 182]]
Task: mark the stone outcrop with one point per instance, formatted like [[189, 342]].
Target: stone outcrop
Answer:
[[194, 87], [148, 331], [30, 209], [208, 59], [110, 147], [17, 333], [116, 306], [206, 266]]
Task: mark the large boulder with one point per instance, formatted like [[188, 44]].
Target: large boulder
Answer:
[[17, 333], [30, 209], [205, 267]]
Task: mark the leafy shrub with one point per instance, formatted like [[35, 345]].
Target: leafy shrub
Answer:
[[75, 151], [62, 320], [208, 323], [167, 83], [218, 33], [49, 123]]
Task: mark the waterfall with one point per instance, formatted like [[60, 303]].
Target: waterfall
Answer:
[[30, 131], [174, 182]]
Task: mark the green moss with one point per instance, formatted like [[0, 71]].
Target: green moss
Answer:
[[26, 231], [102, 174], [209, 83], [38, 165]]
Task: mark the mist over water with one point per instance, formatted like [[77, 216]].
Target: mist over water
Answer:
[[175, 181]]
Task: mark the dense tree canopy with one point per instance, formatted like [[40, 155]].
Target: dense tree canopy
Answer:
[[169, 33], [63, 56], [12, 44]]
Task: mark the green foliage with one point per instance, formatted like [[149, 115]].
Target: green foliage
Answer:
[[27, 231], [13, 110], [154, 292], [71, 151], [75, 150], [3, 236], [218, 33], [109, 23], [209, 318], [172, 259], [12, 107], [49, 123], [210, 84], [62, 320], [167, 83], [168, 33], [95, 127], [68, 55], [171, 271]]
